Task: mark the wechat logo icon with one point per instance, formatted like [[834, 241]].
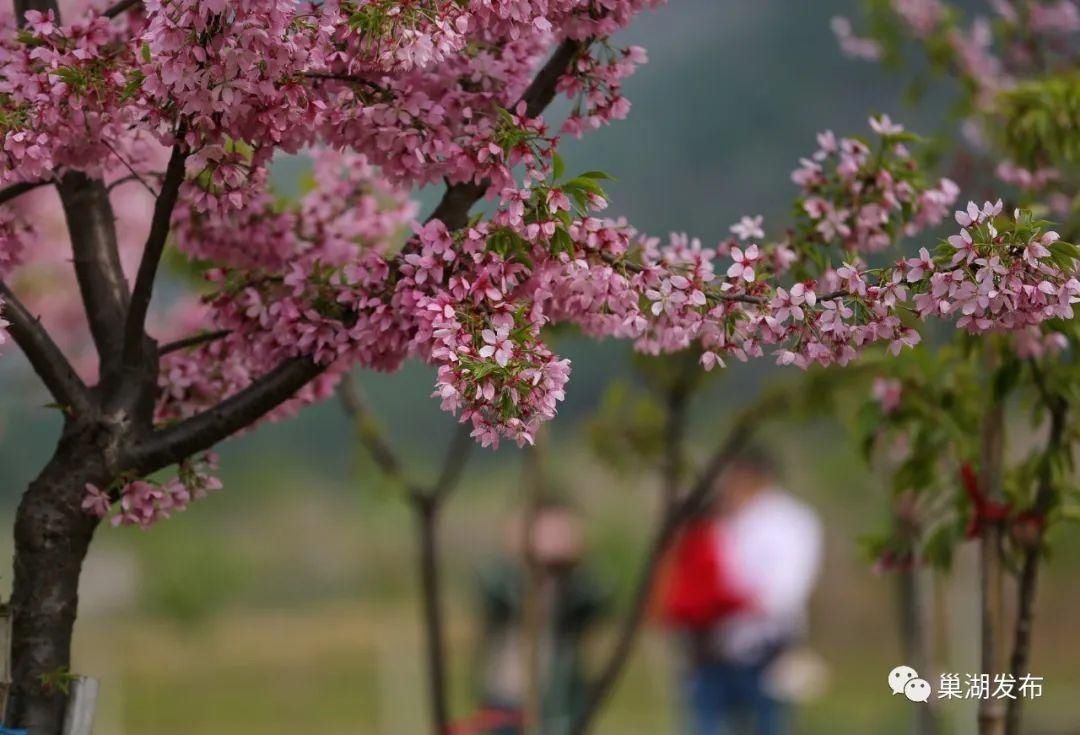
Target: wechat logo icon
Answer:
[[905, 680]]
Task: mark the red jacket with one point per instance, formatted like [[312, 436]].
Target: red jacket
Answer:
[[694, 590]]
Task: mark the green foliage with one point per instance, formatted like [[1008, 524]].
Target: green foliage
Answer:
[[1041, 121], [57, 680], [627, 430], [12, 116]]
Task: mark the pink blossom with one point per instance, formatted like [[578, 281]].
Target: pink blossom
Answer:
[[96, 502], [883, 125], [749, 228], [743, 265]]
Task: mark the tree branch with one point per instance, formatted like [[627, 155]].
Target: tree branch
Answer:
[[135, 324], [16, 190], [453, 465], [459, 198], [167, 446], [121, 7], [201, 432], [433, 620], [48, 361], [91, 224], [195, 340], [367, 431]]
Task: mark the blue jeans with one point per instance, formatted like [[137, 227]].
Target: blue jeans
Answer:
[[725, 698]]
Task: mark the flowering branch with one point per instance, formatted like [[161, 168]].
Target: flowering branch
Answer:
[[266, 393], [199, 433], [453, 208]]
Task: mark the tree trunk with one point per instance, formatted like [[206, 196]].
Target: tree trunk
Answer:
[[532, 614], [916, 631], [427, 518], [52, 536], [991, 715]]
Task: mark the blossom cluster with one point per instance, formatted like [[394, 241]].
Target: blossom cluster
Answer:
[[15, 232], [383, 97], [844, 207], [425, 90], [144, 502], [474, 303], [1010, 279], [596, 85], [415, 86], [65, 94]]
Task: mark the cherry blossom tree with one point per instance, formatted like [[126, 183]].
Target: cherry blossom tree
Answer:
[[151, 126], [1020, 119]]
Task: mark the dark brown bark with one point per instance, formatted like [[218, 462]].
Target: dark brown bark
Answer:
[[17, 190], [195, 340], [91, 223], [52, 535], [121, 7], [201, 432], [136, 342]]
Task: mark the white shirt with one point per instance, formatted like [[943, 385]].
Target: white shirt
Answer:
[[771, 548]]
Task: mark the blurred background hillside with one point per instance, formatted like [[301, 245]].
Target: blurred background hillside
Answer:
[[286, 603]]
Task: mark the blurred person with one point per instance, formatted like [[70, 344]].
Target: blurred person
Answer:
[[736, 590], [570, 602]]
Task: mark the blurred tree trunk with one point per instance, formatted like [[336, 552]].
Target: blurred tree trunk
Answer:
[[1032, 543], [533, 623], [916, 636], [991, 713], [427, 511], [915, 603]]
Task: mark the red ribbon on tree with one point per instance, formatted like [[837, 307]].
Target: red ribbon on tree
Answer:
[[486, 720], [983, 509]]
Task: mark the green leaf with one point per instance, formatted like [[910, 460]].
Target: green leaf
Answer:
[[561, 242], [1006, 378], [558, 168]]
